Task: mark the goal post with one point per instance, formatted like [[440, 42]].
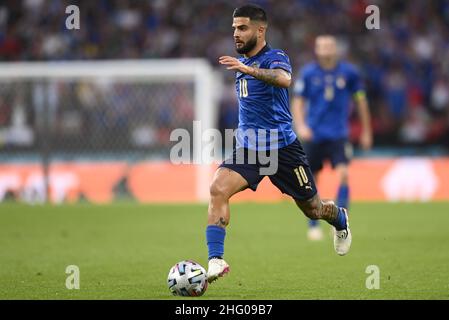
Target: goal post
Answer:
[[140, 90]]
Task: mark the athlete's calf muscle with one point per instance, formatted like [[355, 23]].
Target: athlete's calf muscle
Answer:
[[225, 184], [314, 208]]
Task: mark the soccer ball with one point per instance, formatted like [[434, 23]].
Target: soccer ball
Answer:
[[187, 278]]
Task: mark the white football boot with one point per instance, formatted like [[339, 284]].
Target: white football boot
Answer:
[[217, 268], [343, 238], [315, 234]]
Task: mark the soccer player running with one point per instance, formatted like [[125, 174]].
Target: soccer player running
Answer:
[[326, 88], [263, 76]]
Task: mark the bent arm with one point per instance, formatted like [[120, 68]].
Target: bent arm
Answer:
[[274, 77]]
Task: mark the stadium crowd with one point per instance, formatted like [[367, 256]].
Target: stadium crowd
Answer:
[[405, 63]]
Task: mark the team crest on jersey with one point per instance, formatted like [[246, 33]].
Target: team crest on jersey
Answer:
[[255, 64], [341, 82]]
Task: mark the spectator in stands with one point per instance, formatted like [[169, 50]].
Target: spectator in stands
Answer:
[[405, 63]]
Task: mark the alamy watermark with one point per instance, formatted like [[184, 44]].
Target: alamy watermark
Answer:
[[373, 280], [73, 280], [72, 22], [373, 20], [253, 146]]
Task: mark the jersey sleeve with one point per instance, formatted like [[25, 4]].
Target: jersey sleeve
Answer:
[[301, 87], [355, 85], [279, 60]]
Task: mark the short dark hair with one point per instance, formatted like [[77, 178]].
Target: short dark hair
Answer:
[[251, 11]]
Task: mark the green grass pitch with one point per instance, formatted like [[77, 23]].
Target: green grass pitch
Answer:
[[124, 251]]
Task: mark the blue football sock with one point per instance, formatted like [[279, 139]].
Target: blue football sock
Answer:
[[215, 236], [340, 221], [313, 223], [343, 196]]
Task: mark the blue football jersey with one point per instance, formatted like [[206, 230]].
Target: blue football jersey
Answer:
[[328, 94], [265, 121]]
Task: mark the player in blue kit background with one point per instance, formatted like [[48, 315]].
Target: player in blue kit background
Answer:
[[321, 110], [263, 76]]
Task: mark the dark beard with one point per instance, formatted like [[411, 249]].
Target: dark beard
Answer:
[[248, 46]]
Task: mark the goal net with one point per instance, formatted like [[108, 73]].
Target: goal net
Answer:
[[101, 130]]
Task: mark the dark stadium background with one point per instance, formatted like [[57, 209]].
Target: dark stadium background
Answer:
[[405, 64]]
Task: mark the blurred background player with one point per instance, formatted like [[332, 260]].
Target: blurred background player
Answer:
[[321, 108]]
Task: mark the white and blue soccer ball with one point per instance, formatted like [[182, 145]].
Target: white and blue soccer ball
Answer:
[[187, 278]]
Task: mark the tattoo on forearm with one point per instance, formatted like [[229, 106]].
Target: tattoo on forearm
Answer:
[[270, 76]]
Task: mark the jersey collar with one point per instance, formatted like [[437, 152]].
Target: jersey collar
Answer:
[[261, 52]]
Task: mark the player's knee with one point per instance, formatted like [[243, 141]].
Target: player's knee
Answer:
[[217, 190]]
